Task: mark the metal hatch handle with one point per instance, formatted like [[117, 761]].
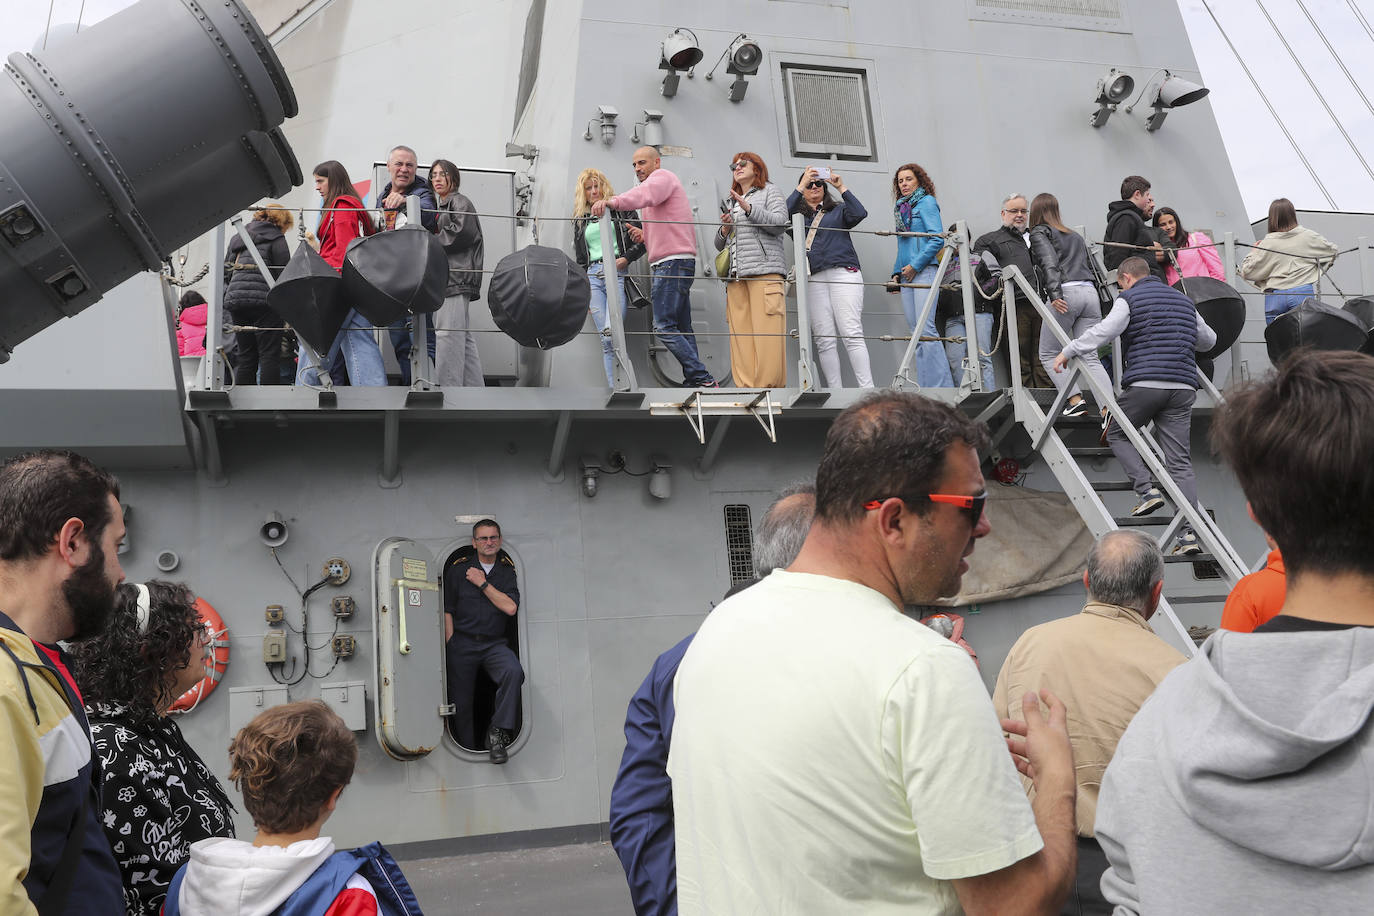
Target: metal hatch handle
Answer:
[[402, 586]]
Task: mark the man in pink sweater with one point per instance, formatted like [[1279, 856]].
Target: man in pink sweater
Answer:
[[669, 236]]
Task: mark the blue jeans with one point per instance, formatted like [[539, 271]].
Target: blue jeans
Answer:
[[596, 275], [1284, 300], [360, 355], [400, 342], [671, 295], [954, 327], [932, 367]]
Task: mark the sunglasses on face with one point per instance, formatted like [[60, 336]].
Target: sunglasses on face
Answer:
[[815, 184], [972, 505], [736, 166]]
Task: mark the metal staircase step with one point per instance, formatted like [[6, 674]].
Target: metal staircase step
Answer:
[[1095, 451], [1195, 599], [1085, 422], [1189, 558], [1103, 486], [1141, 521]]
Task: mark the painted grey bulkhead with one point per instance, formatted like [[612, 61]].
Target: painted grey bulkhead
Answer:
[[607, 582]]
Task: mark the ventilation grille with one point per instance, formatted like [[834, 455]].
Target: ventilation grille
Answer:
[[739, 543], [828, 112], [1101, 15]]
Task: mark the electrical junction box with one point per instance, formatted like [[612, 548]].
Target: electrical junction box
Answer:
[[275, 613], [247, 702], [343, 606], [274, 647], [344, 646], [349, 700]]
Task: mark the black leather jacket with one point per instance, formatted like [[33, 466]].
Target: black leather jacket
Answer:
[[622, 220], [1061, 257]]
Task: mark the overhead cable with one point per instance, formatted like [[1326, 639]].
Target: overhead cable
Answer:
[[1267, 104], [1340, 63], [1315, 91]]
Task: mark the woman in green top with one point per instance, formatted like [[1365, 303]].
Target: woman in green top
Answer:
[[593, 185]]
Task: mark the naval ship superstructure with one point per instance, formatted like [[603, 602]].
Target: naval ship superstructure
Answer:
[[627, 512]]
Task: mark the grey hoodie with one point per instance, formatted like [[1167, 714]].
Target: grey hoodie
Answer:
[[1245, 784]]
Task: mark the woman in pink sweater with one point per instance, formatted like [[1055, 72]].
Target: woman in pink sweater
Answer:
[[1195, 254]]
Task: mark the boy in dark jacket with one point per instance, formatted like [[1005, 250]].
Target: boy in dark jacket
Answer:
[[1126, 227]]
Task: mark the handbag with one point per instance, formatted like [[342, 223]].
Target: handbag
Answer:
[[635, 294], [723, 261]]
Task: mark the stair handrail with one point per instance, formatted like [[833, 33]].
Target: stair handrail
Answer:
[[1212, 538]]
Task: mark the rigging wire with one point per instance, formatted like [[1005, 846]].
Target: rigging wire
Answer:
[[48, 28], [1360, 16], [1322, 35], [1315, 91], [1269, 105]]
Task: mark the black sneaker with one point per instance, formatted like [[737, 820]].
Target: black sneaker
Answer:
[[1076, 409], [497, 740], [1106, 425]]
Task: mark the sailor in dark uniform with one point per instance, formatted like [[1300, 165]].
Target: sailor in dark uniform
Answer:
[[480, 598]]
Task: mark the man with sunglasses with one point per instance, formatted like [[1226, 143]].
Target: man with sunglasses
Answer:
[[481, 594], [671, 240], [831, 754], [1010, 245]]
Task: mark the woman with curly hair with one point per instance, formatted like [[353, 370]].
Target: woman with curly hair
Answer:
[[592, 186], [159, 796], [916, 210]]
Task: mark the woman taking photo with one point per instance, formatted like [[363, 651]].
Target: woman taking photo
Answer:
[[245, 295], [1287, 261], [916, 210], [593, 185], [752, 226], [456, 361], [1193, 251], [159, 796], [1061, 256], [836, 286], [342, 221]]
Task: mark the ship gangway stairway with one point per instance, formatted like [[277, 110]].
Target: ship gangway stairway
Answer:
[[1044, 427]]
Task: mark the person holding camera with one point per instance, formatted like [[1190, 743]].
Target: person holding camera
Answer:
[[751, 226], [836, 286], [916, 210]]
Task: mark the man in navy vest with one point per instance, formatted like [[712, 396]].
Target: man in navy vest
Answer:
[[1161, 332]]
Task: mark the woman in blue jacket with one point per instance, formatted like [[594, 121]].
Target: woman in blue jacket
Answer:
[[916, 210], [836, 286]]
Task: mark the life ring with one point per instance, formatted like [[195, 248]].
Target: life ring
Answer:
[[216, 659]]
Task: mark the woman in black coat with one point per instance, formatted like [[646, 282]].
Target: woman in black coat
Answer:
[[245, 295]]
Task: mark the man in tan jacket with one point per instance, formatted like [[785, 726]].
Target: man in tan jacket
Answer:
[[1104, 662]]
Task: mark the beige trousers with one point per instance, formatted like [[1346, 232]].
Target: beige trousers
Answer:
[[756, 308]]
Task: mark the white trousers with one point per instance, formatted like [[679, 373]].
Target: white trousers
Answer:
[[456, 362], [836, 300]]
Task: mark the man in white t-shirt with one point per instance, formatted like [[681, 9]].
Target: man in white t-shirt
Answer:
[[831, 755]]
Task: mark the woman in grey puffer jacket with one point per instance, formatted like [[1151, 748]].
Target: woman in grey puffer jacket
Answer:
[[755, 303]]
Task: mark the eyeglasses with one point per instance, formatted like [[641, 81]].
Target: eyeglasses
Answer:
[[487, 537], [972, 505], [1017, 210], [736, 166], [815, 184]]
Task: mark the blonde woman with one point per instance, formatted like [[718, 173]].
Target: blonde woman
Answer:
[[755, 303], [589, 249], [245, 295]]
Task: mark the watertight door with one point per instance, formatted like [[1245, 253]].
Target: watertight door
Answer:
[[407, 617]]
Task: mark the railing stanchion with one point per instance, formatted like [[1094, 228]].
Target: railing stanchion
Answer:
[[1229, 271], [214, 324], [624, 372], [904, 367], [1366, 288], [805, 373], [973, 355], [421, 368]]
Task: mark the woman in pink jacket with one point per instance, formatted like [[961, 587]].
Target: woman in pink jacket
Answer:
[[191, 319], [1195, 254]]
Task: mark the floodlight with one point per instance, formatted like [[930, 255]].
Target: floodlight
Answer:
[[1173, 92], [744, 58], [1112, 90], [680, 51]]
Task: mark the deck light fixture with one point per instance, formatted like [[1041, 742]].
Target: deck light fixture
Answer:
[[605, 116], [1112, 90], [680, 51], [1171, 92], [650, 130], [744, 58]]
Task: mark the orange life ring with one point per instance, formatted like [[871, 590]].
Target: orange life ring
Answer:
[[216, 659]]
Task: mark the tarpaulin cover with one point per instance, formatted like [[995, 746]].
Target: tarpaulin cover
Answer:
[[1038, 542], [1363, 309], [392, 274], [309, 295], [539, 296], [1314, 324]]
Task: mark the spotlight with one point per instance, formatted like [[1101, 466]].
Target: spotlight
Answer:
[[1173, 93], [651, 133], [745, 56], [589, 476], [1112, 90], [273, 531], [606, 116], [679, 52]]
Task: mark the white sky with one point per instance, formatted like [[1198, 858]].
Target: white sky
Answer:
[[1265, 162]]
